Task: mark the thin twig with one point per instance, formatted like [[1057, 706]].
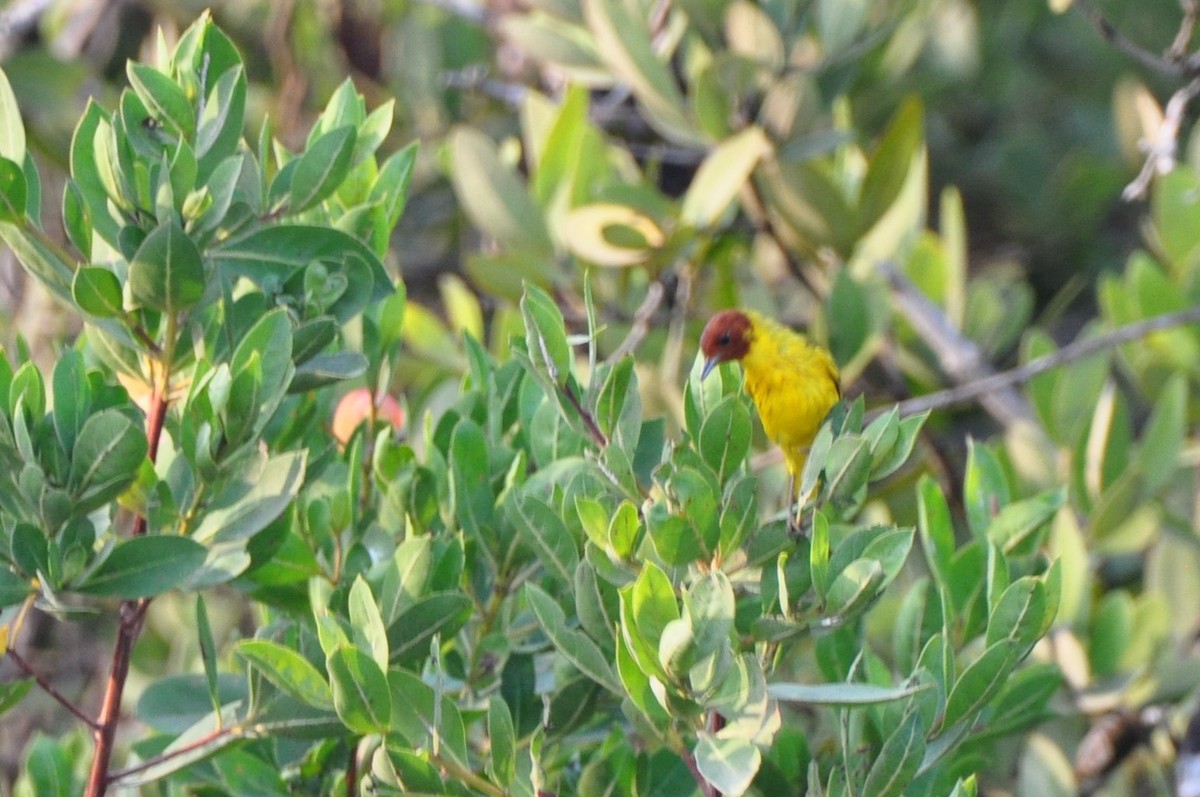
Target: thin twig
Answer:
[[49, 689], [641, 322], [142, 766], [1131, 48], [1067, 354], [706, 788], [959, 356], [1162, 145], [1187, 27], [352, 770], [593, 429]]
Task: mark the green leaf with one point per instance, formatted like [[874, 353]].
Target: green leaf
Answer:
[[728, 764], [425, 718], [202, 740], [167, 272], [1158, 452], [13, 588], [270, 256], [985, 486], [1020, 614], [220, 128], [174, 703], [406, 577], [29, 392], [708, 606], [48, 770], [725, 435], [980, 682], [437, 613], [547, 534], [76, 222], [546, 335], [97, 291], [12, 130], [41, 260], [623, 39], [493, 196], [13, 192], [327, 369], [322, 168], [574, 646], [86, 173], [502, 738], [105, 461], [254, 499], [208, 651], [1176, 217], [898, 759], [722, 176], [69, 385], [1044, 768], [936, 529], [12, 692], [360, 691], [1016, 522], [647, 607], [141, 567], [890, 163], [390, 189], [854, 587], [848, 695], [370, 635], [163, 98], [474, 501], [287, 670]]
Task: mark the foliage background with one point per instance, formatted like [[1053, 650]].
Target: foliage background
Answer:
[[1030, 129]]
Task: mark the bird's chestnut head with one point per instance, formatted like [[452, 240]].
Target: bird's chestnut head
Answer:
[[725, 337]]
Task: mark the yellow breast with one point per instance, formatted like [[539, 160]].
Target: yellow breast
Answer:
[[793, 383]]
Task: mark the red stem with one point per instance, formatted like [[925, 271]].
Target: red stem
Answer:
[[352, 771], [207, 738], [132, 616]]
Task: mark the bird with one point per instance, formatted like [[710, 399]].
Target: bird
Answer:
[[793, 382]]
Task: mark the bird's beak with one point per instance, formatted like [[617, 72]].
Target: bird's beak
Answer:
[[709, 364]]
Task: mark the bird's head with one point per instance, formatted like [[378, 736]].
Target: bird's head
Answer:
[[726, 337]]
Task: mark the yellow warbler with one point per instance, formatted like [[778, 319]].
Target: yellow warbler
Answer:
[[793, 382]]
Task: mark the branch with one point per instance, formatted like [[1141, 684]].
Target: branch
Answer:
[[959, 356], [706, 788], [141, 766], [1187, 27], [641, 322], [1167, 66], [132, 612], [49, 689], [584, 415], [1162, 144], [1067, 354]]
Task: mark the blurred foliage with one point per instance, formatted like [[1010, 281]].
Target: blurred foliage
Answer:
[[593, 179]]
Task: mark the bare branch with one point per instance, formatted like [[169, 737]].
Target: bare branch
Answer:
[[641, 322], [1077, 350], [1131, 48], [49, 689], [1162, 145], [959, 356], [1187, 27]]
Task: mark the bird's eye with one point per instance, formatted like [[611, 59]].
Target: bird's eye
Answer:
[[724, 340]]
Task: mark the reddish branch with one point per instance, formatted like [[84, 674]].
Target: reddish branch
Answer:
[[142, 766], [132, 616]]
